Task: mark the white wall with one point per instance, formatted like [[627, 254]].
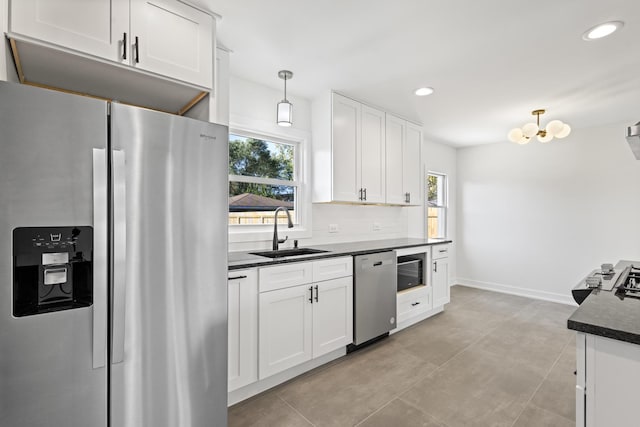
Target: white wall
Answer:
[[535, 219], [440, 158]]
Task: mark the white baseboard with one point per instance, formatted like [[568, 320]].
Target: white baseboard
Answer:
[[513, 290]]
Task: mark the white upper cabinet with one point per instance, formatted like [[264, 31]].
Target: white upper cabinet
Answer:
[[395, 136], [372, 151], [172, 39], [364, 155], [95, 27], [165, 37], [403, 162], [347, 141], [412, 165], [349, 161]]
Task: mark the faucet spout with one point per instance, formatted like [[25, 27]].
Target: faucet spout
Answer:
[[276, 241]]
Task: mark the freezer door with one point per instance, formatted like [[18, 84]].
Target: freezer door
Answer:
[[52, 361], [169, 343]]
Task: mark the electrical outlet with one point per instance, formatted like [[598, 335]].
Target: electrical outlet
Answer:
[[333, 228], [377, 226]]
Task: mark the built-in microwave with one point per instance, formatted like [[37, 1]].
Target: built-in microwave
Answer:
[[411, 270]]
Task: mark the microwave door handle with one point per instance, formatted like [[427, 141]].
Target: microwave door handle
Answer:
[[119, 255], [99, 344]]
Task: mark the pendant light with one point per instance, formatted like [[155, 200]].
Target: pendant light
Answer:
[[285, 108], [555, 128]]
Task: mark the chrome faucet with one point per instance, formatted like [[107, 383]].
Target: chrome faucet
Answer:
[[276, 241]]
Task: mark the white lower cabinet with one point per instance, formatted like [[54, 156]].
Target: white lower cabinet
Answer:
[[608, 381], [299, 322], [243, 328], [332, 315], [440, 275], [285, 329], [413, 302]]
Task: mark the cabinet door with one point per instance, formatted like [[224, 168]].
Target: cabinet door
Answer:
[[243, 328], [373, 155], [346, 149], [412, 164], [395, 136], [332, 315], [174, 40], [93, 27], [440, 281], [285, 329]]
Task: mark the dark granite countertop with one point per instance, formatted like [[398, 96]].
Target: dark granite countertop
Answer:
[[603, 313], [239, 260]]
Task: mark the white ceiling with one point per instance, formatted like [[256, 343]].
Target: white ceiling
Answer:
[[491, 62]]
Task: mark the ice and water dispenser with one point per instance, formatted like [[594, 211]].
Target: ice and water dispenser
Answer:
[[52, 269]]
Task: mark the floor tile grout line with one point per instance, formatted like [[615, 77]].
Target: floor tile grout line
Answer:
[[478, 340], [399, 395], [295, 410], [442, 423], [374, 412], [541, 382]]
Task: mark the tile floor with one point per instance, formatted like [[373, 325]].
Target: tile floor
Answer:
[[490, 359]]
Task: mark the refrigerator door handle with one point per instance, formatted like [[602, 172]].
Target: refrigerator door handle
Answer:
[[99, 257], [119, 255]]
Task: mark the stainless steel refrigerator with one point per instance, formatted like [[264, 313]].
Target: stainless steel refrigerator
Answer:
[[113, 258]]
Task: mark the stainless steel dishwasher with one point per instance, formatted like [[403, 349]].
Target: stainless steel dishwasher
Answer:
[[374, 296]]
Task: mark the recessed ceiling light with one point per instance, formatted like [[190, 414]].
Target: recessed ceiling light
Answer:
[[424, 91], [602, 30]]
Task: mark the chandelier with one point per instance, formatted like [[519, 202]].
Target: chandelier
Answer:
[[555, 128]]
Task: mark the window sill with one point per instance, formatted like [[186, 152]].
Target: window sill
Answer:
[[247, 233]]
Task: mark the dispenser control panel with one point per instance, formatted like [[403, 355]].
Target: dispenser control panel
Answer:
[[52, 269]]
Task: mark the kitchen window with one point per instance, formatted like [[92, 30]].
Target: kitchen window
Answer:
[[436, 205], [263, 174]]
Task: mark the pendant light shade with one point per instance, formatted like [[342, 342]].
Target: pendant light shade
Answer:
[[285, 108]]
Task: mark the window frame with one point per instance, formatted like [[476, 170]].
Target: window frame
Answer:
[[302, 204], [444, 207]]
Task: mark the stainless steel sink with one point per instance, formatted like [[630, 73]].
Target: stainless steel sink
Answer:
[[288, 252]]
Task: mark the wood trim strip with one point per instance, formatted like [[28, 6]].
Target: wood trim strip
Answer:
[[16, 59], [192, 103]]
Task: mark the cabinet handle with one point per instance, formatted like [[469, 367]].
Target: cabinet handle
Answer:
[[311, 294], [407, 197], [435, 266], [237, 277], [316, 286], [415, 303], [365, 194], [360, 194], [124, 45], [137, 47]]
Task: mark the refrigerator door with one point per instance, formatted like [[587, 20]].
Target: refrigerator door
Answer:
[[169, 350], [52, 359]]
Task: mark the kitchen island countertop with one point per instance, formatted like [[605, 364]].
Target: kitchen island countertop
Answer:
[[240, 260], [605, 314]]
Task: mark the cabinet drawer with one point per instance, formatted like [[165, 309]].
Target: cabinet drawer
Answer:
[[440, 251], [285, 276], [332, 268], [413, 302]]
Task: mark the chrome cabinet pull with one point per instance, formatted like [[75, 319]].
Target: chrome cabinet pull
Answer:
[[316, 286], [365, 194], [435, 266], [311, 294], [415, 303]]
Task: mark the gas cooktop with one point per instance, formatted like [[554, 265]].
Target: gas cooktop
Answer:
[[628, 285]]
